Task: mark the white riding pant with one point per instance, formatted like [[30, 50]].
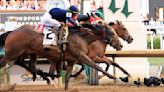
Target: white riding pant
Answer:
[[48, 21]]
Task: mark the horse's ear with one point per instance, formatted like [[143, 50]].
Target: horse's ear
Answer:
[[117, 22], [88, 15], [92, 14]]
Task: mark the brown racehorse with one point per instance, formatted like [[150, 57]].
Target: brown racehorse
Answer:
[[26, 41], [97, 49], [121, 31]]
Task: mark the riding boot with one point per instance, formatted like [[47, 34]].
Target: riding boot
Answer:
[[62, 35]]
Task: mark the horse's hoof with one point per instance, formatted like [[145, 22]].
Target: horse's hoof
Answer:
[[48, 82], [52, 78], [34, 78], [101, 76], [129, 76]]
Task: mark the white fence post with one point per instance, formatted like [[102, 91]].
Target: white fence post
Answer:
[[152, 43]]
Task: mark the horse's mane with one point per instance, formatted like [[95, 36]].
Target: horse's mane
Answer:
[[74, 29], [79, 30], [96, 29], [83, 18]]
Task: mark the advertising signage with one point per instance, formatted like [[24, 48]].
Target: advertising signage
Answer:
[[21, 17]]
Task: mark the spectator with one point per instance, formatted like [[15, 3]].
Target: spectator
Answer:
[[146, 20], [153, 23]]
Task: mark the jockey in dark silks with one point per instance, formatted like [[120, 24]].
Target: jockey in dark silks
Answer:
[[65, 15], [55, 16]]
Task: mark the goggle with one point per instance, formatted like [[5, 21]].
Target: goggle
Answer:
[[75, 12]]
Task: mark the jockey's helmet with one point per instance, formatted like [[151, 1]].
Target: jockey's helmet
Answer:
[[99, 14], [73, 9]]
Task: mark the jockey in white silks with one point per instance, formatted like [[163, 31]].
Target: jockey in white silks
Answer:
[[53, 18]]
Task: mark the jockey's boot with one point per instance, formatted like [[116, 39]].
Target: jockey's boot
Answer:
[[65, 41], [62, 42]]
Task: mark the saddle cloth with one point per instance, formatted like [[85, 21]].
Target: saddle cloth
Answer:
[[49, 38], [40, 28]]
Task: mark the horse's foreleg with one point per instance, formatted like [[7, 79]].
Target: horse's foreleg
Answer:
[[67, 76], [100, 60], [76, 74], [109, 62], [86, 60]]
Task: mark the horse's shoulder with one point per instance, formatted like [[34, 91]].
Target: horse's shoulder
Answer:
[[27, 26]]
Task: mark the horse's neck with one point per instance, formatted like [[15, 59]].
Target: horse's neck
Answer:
[[90, 37], [86, 35], [103, 44]]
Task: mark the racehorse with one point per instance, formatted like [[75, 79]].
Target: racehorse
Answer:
[[98, 54], [97, 49], [121, 31], [26, 41]]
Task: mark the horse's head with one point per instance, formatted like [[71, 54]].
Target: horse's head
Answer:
[[121, 31], [110, 37]]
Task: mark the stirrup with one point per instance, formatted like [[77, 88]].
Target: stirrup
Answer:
[[62, 42]]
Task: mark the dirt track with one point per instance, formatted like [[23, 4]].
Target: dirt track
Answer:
[[101, 88], [84, 87]]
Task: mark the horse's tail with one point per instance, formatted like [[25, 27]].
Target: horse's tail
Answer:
[[3, 38]]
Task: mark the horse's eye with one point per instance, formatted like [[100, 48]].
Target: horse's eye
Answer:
[[124, 29], [112, 33]]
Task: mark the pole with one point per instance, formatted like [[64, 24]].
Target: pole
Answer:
[[5, 78], [36, 5], [114, 70], [82, 7]]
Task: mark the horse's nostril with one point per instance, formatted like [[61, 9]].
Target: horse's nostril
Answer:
[[132, 39], [121, 46]]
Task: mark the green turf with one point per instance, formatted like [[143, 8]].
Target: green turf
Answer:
[[156, 61]]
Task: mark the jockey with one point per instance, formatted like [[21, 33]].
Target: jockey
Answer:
[[55, 16], [96, 17]]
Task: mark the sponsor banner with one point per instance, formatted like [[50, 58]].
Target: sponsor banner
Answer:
[[20, 76], [21, 17]]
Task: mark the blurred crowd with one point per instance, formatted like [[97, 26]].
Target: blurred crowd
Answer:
[[22, 5], [41, 4]]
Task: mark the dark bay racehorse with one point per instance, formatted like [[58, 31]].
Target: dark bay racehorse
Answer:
[[97, 49], [26, 41]]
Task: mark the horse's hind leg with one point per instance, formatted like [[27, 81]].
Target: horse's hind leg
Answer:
[[32, 64], [43, 75], [4, 60]]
